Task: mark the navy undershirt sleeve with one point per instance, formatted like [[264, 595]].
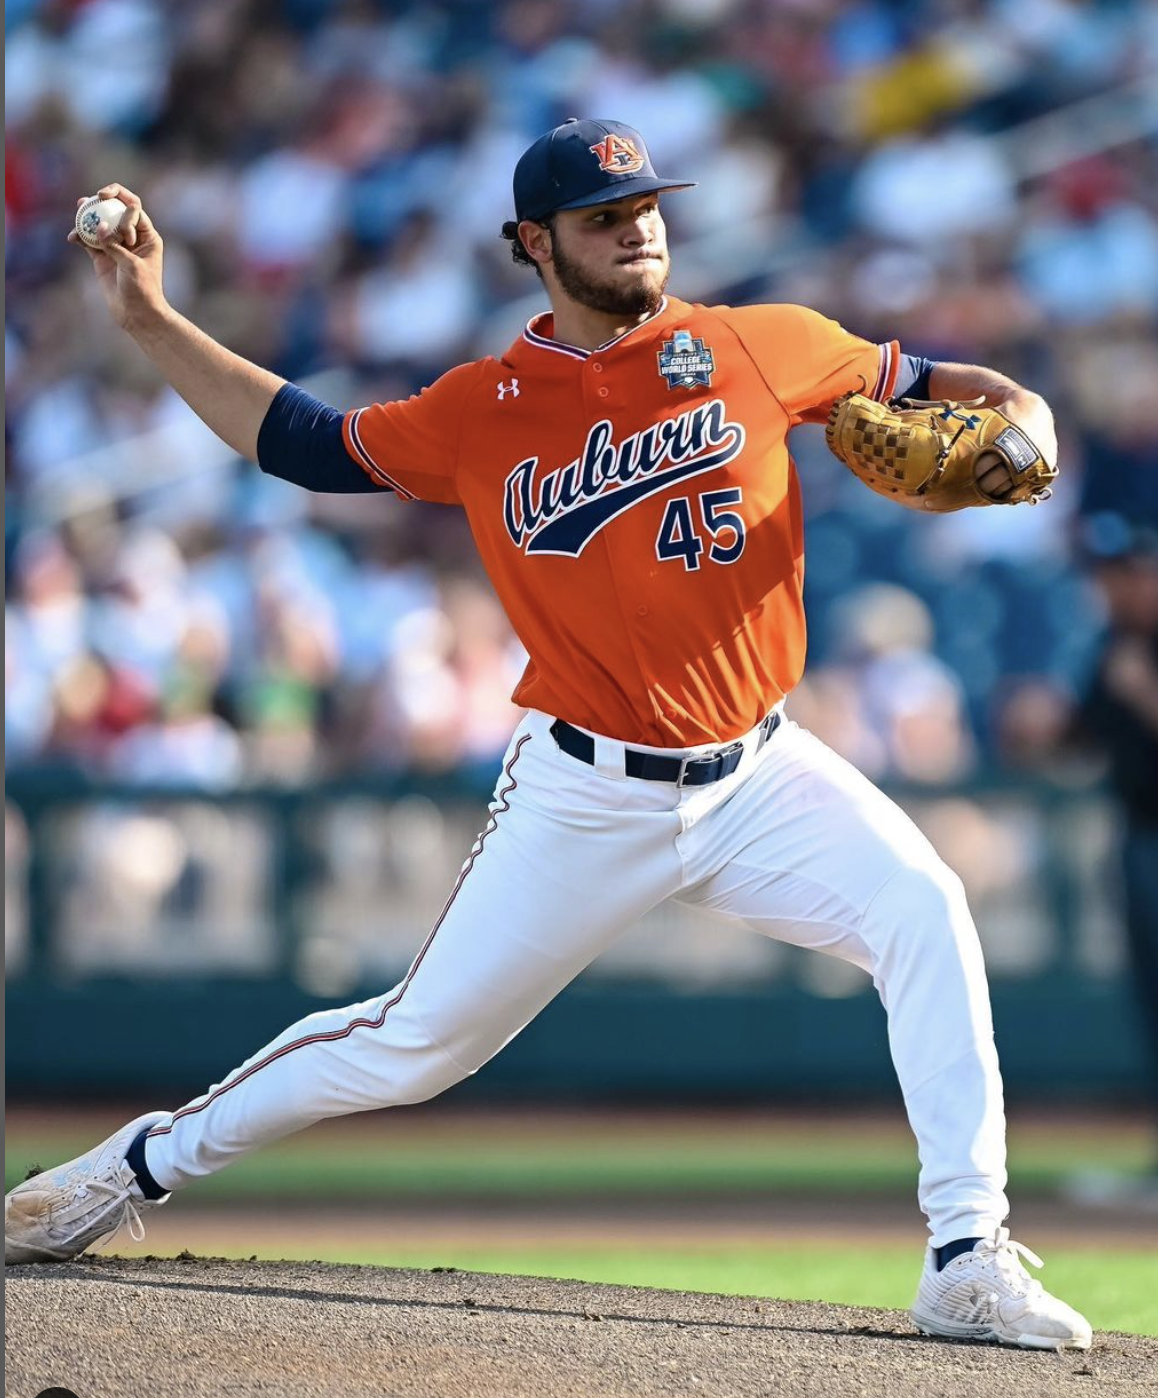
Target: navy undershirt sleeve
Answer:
[[913, 377], [300, 440]]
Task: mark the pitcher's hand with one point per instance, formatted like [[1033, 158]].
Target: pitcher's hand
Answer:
[[128, 262]]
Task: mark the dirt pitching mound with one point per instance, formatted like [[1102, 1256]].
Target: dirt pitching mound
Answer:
[[206, 1327]]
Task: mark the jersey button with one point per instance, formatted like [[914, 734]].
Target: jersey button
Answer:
[[597, 368], [641, 611], [604, 392]]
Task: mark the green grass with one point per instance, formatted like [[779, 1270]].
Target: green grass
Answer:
[[665, 1164], [394, 1159], [1116, 1290]]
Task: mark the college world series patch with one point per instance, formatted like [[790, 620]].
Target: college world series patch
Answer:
[[685, 361]]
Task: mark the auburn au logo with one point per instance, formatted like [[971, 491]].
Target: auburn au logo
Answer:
[[617, 155]]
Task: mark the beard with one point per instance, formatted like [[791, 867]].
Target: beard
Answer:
[[609, 298]]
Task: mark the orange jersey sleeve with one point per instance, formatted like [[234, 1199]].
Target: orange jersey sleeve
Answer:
[[412, 446], [809, 361]]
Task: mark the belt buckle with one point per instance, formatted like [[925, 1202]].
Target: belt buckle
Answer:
[[718, 756]]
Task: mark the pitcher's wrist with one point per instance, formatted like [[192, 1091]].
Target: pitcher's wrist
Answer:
[[151, 324]]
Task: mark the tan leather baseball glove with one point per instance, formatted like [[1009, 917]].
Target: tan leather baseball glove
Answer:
[[939, 456]]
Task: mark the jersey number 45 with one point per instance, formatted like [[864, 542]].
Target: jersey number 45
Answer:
[[679, 536]]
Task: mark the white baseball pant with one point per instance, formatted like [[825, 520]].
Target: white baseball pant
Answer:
[[796, 842]]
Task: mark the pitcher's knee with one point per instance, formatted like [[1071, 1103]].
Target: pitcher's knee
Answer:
[[392, 1059], [426, 1072], [924, 903]]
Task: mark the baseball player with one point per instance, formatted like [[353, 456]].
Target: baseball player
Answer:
[[625, 473]]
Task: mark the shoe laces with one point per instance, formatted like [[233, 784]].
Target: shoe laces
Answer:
[[110, 1195], [1002, 1254]]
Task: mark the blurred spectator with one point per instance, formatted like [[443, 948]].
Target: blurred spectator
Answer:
[[1091, 249], [934, 187], [330, 180], [58, 56], [884, 700], [418, 305], [1119, 713], [184, 745]]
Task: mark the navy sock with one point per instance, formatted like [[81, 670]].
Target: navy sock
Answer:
[[135, 1155], [952, 1250]]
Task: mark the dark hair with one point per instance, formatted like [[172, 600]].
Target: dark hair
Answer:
[[519, 253]]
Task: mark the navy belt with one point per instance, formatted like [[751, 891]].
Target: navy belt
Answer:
[[653, 767]]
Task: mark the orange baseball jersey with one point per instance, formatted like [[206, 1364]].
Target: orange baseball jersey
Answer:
[[636, 506]]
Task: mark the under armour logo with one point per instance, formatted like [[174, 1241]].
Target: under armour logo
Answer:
[[969, 419], [505, 388]]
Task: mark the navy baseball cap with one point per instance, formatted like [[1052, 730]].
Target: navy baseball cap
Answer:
[[581, 163]]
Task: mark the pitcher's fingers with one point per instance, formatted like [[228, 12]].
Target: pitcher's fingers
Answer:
[[127, 227], [117, 251], [128, 221], [118, 191], [145, 228]]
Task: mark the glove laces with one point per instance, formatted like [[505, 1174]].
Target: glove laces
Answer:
[[940, 402], [952, 404]]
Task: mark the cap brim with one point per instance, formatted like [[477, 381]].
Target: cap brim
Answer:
[[625, 189]]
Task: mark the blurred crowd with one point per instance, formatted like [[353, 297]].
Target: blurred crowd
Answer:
[[974, 177]]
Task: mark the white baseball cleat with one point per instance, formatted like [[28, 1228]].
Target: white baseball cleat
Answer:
[[56, 1215], [988, 1295]]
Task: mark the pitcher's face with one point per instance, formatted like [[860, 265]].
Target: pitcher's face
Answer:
[[612, 258]]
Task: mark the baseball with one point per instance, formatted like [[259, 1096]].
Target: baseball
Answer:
[[92, 213]]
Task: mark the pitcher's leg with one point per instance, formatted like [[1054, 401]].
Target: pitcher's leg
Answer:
[[811, 853], [925, 959], [543, 892]]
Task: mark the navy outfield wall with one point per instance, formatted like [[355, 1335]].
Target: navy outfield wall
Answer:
[[157, 938]]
